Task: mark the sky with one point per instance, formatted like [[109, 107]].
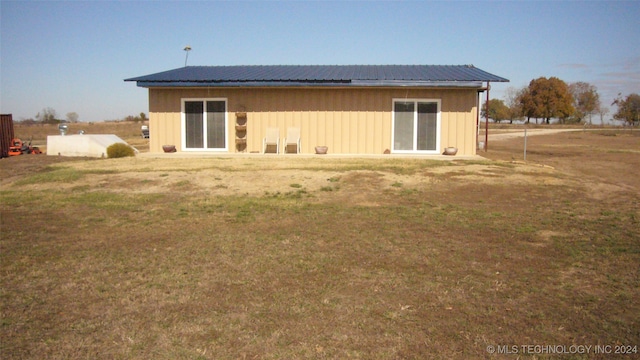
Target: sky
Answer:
[[73, 56]]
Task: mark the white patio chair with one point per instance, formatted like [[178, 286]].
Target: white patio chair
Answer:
[[292, 139], [272, 138]]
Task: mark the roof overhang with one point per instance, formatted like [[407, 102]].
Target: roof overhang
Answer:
[[280, 84]]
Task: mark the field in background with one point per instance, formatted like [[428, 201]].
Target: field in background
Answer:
[[127, 130], [287, 257]]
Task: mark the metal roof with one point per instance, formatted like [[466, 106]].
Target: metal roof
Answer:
[[320, 75]]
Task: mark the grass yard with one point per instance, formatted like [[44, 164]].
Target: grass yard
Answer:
[[324, 258]]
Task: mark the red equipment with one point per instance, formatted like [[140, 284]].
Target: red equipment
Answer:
[[18, 148]]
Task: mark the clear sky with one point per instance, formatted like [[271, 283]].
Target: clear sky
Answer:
[[73, 56]]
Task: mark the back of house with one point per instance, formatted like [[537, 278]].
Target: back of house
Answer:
[[351, 109]]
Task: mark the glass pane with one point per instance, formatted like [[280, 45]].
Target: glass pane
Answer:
[[427, 126], [194, 124], [403, 126], [215, 124]]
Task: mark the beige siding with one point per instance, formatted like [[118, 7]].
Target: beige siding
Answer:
[[347, 120]]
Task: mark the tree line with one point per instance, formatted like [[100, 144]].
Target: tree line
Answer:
[[552, 98], [49, 116]]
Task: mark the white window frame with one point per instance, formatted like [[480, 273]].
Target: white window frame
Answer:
[[415, 126], [183, 125]]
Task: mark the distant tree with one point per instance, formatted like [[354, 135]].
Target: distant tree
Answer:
[[602, 111], [526, 104], [628, 109], [47, 116], [141, 117], [29, 121], [72, 117], [547, 98], [511, 101], [498, 111], [586, 100]]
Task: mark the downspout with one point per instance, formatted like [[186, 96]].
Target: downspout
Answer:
[[486, 124]]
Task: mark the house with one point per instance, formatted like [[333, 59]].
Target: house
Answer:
[[351, 109]]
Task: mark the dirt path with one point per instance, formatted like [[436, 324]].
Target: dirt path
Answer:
[[520, 133], [510, 134]]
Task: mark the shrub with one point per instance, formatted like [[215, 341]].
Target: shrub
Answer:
[[119, 150]]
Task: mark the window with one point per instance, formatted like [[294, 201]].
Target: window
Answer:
[[204, 124], [416, 126]]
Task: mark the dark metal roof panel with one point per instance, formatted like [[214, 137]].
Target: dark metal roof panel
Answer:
[[339, 74]]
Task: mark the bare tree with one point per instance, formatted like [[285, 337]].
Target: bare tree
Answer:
[[602, 111], [46, 116], [512, 101], [72, 117], [586, 100]]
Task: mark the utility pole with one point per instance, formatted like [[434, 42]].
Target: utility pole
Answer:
[[186, 49]]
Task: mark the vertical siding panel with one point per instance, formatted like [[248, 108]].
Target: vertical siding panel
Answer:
[[305, 138], [337, 140], [332, 116], [451, 123], [449, 140], [155, 131], [254, 112], [356, 136], [472, 151], [320, 126], [312, 105], [382, 101], [379, 137], [345, 135], [366, 125], [350, 137], [356, 133], [463, 123], [380, 145], [321, 111], [361, 128], [340, 137], [456, 140], [458, 135], [469, 130]]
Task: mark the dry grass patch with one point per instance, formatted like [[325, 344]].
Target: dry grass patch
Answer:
[[211, 259]]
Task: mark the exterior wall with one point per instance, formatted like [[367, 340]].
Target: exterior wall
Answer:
[[347, 120]]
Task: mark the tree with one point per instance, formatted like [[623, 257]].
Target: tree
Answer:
[[526, 104], [143, 117], [628, 109], [602, 111], [512, 102], [72, 117], [547, 98], [47, 116], [586, 100], [498, 111]]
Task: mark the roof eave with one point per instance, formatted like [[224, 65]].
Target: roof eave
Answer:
[[322, 84]]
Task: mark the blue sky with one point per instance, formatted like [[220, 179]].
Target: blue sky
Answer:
[[73, 56]]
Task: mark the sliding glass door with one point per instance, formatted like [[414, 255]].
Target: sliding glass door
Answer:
[[204, 125], [416, 126]]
